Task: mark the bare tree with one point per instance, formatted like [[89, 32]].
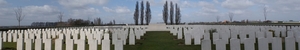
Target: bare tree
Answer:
[[218, 18], [19, 15], [60, 16], [142, 13], [165, 13], [171, 12], [136, 13], [265, 13], [97, 21], [230, 16], [114, 22]]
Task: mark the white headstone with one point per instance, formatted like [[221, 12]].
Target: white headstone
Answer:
[[269, 36], [220, 44], [131, 38], [235, 44], [82, 36], [93, 44], [60, 36], [58, 44], [234, 34], [38, 35], [31, 36], [28, 45], [69, 44], [81, 44], [216, 36], [15, 37], [38, 44], [20, 43], [47, 44], [263, 44], [206, 45], [4, 36], [105, 45], [137, 33], [260, 34], [44, 36], [68, 36], [290, 43], [290, 34], [187, 39], [277, 43], [197, 39], [249, 44], [49, 34], [9, 37], [179, 35], [114, 37], [206, 36], [119, 45]]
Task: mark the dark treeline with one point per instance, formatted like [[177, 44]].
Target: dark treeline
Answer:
[[139, 14]]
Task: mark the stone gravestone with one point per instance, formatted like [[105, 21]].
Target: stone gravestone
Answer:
[[235, 44], [69, 44], [4, 36], [58, 44], [47, 44], [277, 43], [119, 45], [114, 38], [197, 39], [93, 44], [206, 45], [9, 38], [269, 36], [263, 44], [106, 42], [38, 44], [44, 35], [20, 43], [216, 36], [290, 43], [28, 45], [131, 38], [220, 44], [81, 44], [260, 34], [206, 36], [249, 44], [15, 37], [179, 35], [187, 39]]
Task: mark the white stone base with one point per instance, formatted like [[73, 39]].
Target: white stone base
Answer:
[[157, 27]]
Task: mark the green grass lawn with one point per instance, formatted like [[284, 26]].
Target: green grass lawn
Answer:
[[160, 41]]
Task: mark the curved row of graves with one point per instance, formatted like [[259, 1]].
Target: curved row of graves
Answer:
[[57, 37], [235, 35]]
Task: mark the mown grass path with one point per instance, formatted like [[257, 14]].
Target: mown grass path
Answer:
[[160, 40]]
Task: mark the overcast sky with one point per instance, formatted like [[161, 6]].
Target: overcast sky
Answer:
[[122, 10]]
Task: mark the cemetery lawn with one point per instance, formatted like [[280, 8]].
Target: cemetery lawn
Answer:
[[160, 40]]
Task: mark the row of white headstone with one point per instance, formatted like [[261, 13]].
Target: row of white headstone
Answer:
[[39, 36], [236, 35], [72, 36]]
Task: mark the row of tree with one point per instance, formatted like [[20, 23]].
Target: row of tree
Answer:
[[141, 16], [81, 22], [177, 13]]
